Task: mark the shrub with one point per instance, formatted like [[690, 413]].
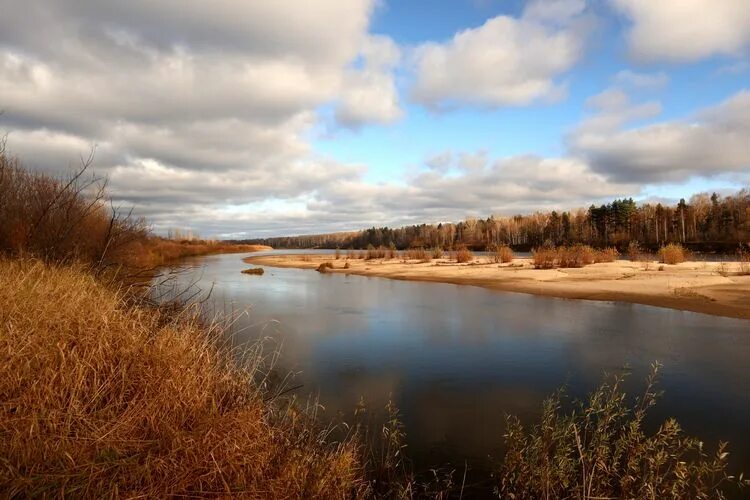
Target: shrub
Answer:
[[253, 270], [743, 255], [437, 253], [544, 258], [608, 254], [392, 251], [501, 253], [674, 253], [601, 450], [417, 254], [324, 267], [576, 256], [634, 251], [463, 255], [337, 254]]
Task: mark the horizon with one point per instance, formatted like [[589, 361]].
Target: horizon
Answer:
[[241, 121]]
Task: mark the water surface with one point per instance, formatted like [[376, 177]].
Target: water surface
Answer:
[[456, 358]]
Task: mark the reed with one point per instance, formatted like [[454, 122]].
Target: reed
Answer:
[[601, 449]]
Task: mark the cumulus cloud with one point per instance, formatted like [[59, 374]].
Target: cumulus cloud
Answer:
[[369, 93], [192, 108], [506, 61], [711, 142], [686, 30]]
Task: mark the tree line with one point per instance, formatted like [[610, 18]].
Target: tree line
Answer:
[[704, 222]]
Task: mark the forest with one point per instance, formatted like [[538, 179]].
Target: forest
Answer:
[[707, 222]]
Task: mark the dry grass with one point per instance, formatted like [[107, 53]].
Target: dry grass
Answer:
[[571, 256], [601, 450], [674, 253], [743, 256], [501, 253], [437, 253], [463, 255], [419, 254], [99, 399], [608, 254], [544, 258]]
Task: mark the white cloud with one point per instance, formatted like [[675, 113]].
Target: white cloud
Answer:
[[369, 93], [713, 141], [193, 107], [686, 30], [647, 81], [506, 61]]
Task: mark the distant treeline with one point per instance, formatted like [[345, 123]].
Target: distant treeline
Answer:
[[705, 222]]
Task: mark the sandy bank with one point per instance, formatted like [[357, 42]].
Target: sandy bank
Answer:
[[703, 287]]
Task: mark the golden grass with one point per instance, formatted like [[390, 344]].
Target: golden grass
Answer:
[[463, 255], [571, 256], [99, 399], [674, 253]]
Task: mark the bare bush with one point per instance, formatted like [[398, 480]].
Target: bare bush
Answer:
[[674, 253], [463, 255]]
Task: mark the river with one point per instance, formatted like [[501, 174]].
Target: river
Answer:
[[455, 359]]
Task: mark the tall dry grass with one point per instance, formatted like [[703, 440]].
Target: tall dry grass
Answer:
[[571, 256], [463, 255], [601, 449], [501, 253], [101, 399], [673, 253]]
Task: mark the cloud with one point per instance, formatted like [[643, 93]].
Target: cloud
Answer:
[[648, 81], [193, 108], [506, 61], [369, 94], [711, 142], [612, 109], [686, 30]]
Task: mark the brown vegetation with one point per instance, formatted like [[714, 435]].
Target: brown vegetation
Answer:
[[100, 399], [324, 267], [674, 253], [601, 450], [706, 220], [254, 270], [463, 255], [501, 253], [71, 220], [548, 257]]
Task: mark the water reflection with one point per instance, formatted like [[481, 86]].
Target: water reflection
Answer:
[[457, 358]]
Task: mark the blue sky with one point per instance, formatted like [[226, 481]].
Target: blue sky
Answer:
[[242, 119]]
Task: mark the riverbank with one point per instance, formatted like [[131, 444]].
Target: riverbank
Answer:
[[704, 287]]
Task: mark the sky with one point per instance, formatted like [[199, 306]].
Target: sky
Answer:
[[247, 119]]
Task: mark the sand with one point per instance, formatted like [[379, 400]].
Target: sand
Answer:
[[704, 287]]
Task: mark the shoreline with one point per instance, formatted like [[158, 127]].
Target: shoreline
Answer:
[[690, 286]]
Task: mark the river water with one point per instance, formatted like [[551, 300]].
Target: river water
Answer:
[[455, 359]]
